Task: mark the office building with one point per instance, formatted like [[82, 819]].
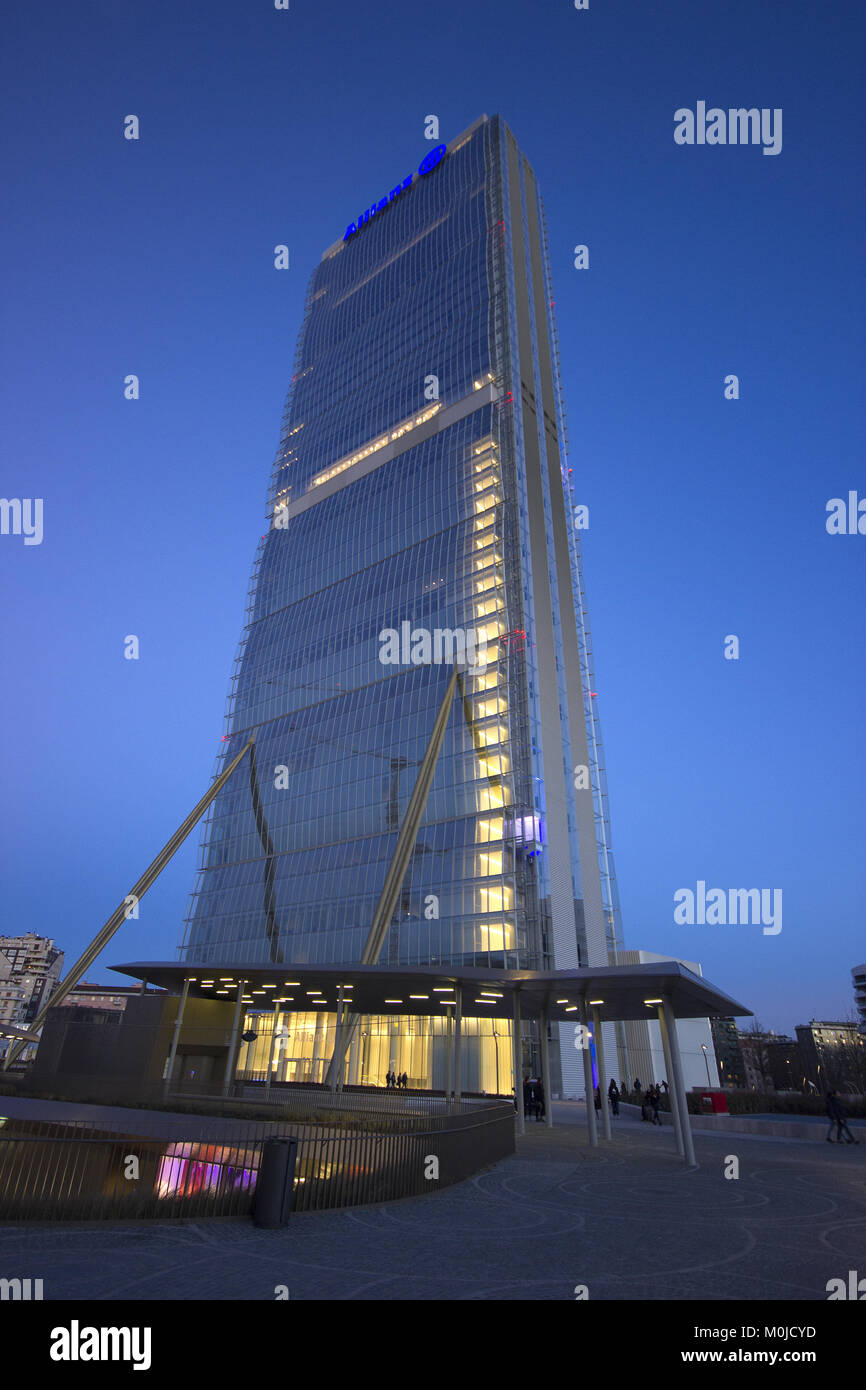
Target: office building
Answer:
[[421, 512]]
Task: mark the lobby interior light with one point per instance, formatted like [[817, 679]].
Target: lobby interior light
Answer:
[[443, 989], [562, 1001], [596, 1001], [393, 1001], [572, 1009], [419, 996], [653, 1001]]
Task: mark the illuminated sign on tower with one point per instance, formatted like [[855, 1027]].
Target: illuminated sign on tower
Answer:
[[427, 163]]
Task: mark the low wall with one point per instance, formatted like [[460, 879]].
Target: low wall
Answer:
[[795, 1128], [60, 1164]]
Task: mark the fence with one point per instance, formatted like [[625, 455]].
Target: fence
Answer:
[[51, 1172]]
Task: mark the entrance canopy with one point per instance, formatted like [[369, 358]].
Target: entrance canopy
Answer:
[[618, 992], [7, 1031]]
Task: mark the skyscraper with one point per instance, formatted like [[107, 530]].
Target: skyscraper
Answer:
[[421, 498]]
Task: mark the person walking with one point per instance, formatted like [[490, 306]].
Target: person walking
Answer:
[[613, 1096], [388, 1078], [839, 1117], [655, 1096], [530, 1097], [539, 1102], [405, 1080]]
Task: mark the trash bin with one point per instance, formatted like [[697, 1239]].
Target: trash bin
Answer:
[[715, 1102], [272, 1204]]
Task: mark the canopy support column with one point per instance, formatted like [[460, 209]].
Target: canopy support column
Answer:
[[518, 1079], [545, 1070], [602, 1074], [591, 1125], [175, 1036], [458, 1030], [679, 1082], [233, 1041], [674, 1098]]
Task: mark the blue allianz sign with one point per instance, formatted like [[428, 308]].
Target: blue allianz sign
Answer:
[[427, 163]]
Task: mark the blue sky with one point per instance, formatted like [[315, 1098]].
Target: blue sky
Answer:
[[707, 516]]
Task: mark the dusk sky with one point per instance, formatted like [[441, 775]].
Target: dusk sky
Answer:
[[707, 516]]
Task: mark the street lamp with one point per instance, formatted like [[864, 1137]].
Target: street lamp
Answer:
[[706, 1062]]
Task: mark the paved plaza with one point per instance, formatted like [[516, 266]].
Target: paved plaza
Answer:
[[627, 1220]]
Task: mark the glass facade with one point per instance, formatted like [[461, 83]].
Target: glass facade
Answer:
[[419, 494]]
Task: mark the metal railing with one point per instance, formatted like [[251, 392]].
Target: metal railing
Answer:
[[67, 1172]]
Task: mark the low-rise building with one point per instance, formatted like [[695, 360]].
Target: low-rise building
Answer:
[[858, 975], [834, 1056], [729, 1056], [92, 996], [771, 1061]]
